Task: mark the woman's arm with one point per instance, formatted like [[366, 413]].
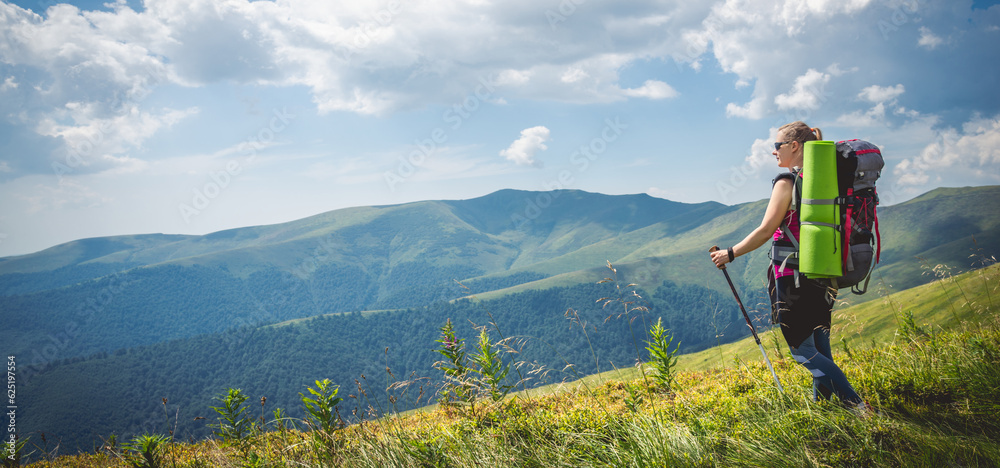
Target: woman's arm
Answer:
[[781, 199]]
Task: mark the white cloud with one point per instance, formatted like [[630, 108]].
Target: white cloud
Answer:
[[513, 78], [877, 94], [8, 83], [87, 56], [772, 45], [573, 75], [870, 118], [755, 109], [761, 152], [884, 98], [928, 39], [972, 153], [96, 142], [652, 89], [374, 58], [795, 16], [366, 57], [96, 69], [807, 93], [522, 151]]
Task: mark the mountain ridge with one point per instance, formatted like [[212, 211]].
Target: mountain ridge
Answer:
[[467, 207]]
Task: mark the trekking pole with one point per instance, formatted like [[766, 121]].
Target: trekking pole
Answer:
[[749, 323]]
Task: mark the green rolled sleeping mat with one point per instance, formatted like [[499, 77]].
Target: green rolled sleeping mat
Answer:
[[819, 240]]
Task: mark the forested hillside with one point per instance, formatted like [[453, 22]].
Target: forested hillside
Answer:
[[122, 392]]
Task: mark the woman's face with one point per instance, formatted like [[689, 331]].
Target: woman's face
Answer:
[[785, 151]]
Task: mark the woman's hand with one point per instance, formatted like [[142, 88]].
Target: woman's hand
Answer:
[[719, 257]]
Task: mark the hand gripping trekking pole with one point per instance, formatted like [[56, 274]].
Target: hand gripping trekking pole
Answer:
[[749, 323]]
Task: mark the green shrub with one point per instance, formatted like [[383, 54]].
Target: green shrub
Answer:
[[491, 368], [321, 408], [236, 426], [661, 357], [457, 387], [146, 451]]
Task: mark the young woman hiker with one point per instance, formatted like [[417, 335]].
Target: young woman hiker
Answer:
[[802, 306]]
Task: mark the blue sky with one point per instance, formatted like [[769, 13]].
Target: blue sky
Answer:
[[197, 116]]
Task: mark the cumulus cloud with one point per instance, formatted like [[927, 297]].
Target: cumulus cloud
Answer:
[[877, 94], [90, 72], [522, 151], [341, 51], [770, 46], [652, 89], [864, 118], [85, 55], [375, 58], [755, 109], [761, 153], [367, 57], [372, 57], [972, 152], [884, 99], [95, 142], [928, 39], [513, 78], [807, 92]]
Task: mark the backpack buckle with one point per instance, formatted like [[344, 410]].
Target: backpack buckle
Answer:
[[849, 200]]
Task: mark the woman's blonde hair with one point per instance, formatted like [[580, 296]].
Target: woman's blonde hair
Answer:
[[800, 132]]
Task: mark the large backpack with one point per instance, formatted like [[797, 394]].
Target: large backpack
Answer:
[[859, 165]]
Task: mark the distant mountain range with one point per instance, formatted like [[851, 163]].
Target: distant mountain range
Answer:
[[142, 306]]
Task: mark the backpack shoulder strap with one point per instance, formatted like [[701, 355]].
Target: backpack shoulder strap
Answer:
[[783, 175], [796, 178]]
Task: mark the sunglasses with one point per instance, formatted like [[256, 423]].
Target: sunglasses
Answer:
[[777, 144]]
